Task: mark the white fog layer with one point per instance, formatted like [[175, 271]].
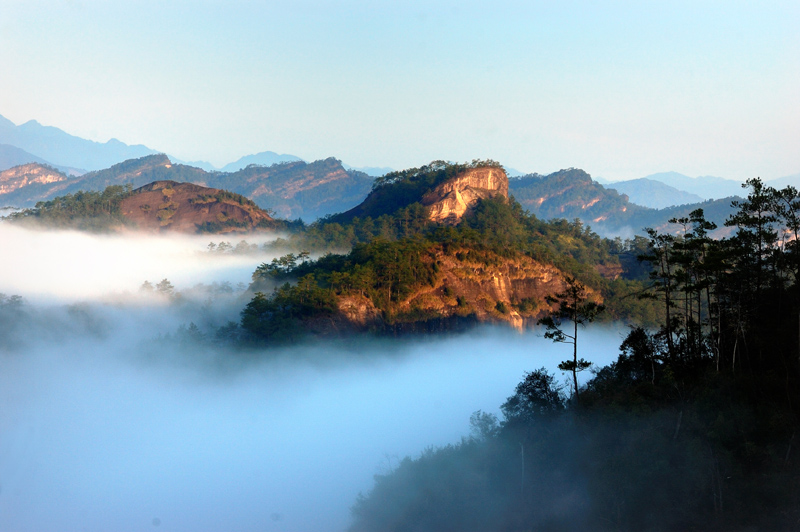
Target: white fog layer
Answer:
[[68, 265], [106, 426]]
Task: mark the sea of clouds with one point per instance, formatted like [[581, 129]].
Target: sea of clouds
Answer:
[[108, 421]]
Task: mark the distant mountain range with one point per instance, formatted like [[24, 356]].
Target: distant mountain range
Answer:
[[782, 182], [40, 162], [653, 194], [61, 148], [707, 187], [671, 188], [374, 171], [297, 189], [573, 194], [265, 158], [11, 156], [291, 190], [32, 142]]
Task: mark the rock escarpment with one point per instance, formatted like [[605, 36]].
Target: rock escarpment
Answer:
[[34, 176], [449, 201], [471, 287], [448, 191]]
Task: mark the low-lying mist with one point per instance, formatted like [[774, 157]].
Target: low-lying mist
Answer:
[[74, 266], [109, 421]]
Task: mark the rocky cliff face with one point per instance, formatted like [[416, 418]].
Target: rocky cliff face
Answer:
[[448, 202], [490, 288], [37, 182], [447, 190], [474, 287], [26, 175]]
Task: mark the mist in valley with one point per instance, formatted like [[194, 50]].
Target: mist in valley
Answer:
[[113, 418]]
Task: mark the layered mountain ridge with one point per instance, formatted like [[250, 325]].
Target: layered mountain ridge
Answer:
[[291, 190], [158, 206]]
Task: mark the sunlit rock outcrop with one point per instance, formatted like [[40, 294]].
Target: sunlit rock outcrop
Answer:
[[26, 175], [448, 202]]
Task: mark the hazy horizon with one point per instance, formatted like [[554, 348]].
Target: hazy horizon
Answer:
[[621, 91]]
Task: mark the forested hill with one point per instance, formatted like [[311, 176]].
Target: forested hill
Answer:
[[448, 248], [298, 189], [157, 206], [571, 194], [449, 186], [134, 173]]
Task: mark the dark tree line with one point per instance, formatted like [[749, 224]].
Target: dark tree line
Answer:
[[694, 427], [733, 301], [93, 211]]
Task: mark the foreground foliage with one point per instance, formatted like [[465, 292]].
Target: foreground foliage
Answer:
[[693, 428]]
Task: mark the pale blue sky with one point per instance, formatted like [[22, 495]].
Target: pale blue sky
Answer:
[[621, 90]]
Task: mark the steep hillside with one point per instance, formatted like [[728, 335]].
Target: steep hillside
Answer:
[[403, 286], [158, 206], [447, 249], [298, 189], [451, 200], [447, 191], [571, 194], [33, 177], [189, 208]]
